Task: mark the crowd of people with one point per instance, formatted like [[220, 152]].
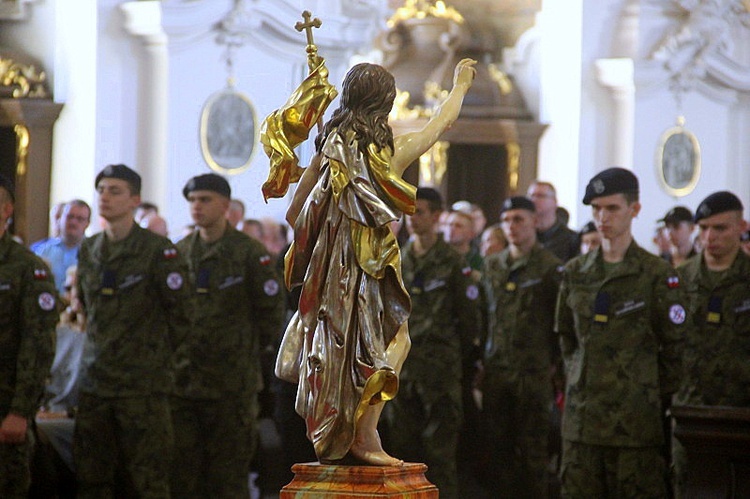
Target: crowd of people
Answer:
[[543, 360]]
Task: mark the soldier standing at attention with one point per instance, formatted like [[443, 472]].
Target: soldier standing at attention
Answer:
[[131, 284], [28, 314], [425, 419], [238, 305], [717, 347], [521, 354], [620, 318]]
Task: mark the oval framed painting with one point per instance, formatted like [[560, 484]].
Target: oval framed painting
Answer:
[[228, 132], [678, 160]]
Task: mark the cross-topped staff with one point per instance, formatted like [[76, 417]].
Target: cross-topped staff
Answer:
[[308, 25]]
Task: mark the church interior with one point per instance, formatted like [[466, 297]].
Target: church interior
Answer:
[[563, 90]]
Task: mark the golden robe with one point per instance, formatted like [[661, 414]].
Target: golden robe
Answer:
[[353, 300]]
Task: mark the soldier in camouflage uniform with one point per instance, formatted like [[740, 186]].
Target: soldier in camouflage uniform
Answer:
[[621, 320], [132, 286], [425, 418], [238, 304], [521, 285], [28, 314], [717, 346]]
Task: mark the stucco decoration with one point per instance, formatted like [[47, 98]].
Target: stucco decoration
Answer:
[[701, 47]]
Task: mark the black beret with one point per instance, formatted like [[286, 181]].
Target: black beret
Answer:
[[587, 229], [676, 215], [123, 173], [208, 182], [611, 181], [716, 203], [517, 203], [7, 184]]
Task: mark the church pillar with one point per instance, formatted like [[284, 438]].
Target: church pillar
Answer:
[[617, 76], [143, 20]]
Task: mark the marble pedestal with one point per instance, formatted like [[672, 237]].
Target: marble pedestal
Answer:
[[317, 481]]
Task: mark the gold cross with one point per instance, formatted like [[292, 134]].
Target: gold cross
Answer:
[[308, 25]]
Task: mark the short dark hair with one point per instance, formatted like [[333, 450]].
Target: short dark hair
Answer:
[[433, 198]]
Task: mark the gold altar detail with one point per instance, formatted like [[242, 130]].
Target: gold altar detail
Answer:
[[24, 79], [480, 156], [22, 149]]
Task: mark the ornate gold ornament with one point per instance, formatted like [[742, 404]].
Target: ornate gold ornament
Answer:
[[514, 162], [498, 76], [22, 149], [420, 9], [433, 164], [28, 82]]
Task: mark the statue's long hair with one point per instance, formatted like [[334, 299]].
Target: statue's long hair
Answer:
[[366, 100]]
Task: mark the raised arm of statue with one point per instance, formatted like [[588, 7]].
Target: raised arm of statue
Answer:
[[408, 147]]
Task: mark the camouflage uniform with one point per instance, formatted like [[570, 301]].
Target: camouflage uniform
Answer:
[[621, 333], [138, 309], [28, 314], [521, 350], [425, 418], [717, 347], [214, 410]]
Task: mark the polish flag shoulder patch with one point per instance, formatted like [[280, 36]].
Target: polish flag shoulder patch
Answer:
[[40, 274], [170, 253], [673, 282], [265, 260]]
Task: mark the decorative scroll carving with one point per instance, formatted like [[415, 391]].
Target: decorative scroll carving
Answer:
[[703, 35], [21, 80]]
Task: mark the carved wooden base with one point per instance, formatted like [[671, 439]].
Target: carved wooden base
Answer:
[[315, 480]]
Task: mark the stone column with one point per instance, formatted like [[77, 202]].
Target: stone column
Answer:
[[143, 20], [617, 76]]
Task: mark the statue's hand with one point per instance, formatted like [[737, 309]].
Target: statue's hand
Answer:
[[464, 74]]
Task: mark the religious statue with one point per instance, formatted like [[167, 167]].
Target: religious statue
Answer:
[[346, 344]]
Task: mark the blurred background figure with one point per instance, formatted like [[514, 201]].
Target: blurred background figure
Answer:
[[679, 227], [235, 212], [274, 236], [590, 238], [661, 242], [253, 228], [155, 223], [746, 242], [492, 241], [459, 234], [552, 231], [54, 225], [144, 210]]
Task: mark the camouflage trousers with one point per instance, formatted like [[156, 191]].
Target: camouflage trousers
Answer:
[[516, 420], [597, 471], [122, 447], [426, 431], [214, 443], [15, 476]]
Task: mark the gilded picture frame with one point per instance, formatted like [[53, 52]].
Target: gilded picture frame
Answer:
[[678, 160], [228, 132]]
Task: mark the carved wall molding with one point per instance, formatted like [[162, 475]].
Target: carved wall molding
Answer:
[[699, 48], [348, 25], [15, 9]]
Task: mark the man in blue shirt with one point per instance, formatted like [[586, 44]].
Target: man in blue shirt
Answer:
[[62, 252]]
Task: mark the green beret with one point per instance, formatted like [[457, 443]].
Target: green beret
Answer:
[[611, 181], [123, 173], [676, 215], [517, 203], [7, 184], [716, 203], [208, 182]]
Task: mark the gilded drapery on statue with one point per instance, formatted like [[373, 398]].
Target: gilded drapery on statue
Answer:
[[346, 344], [353, 300]]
